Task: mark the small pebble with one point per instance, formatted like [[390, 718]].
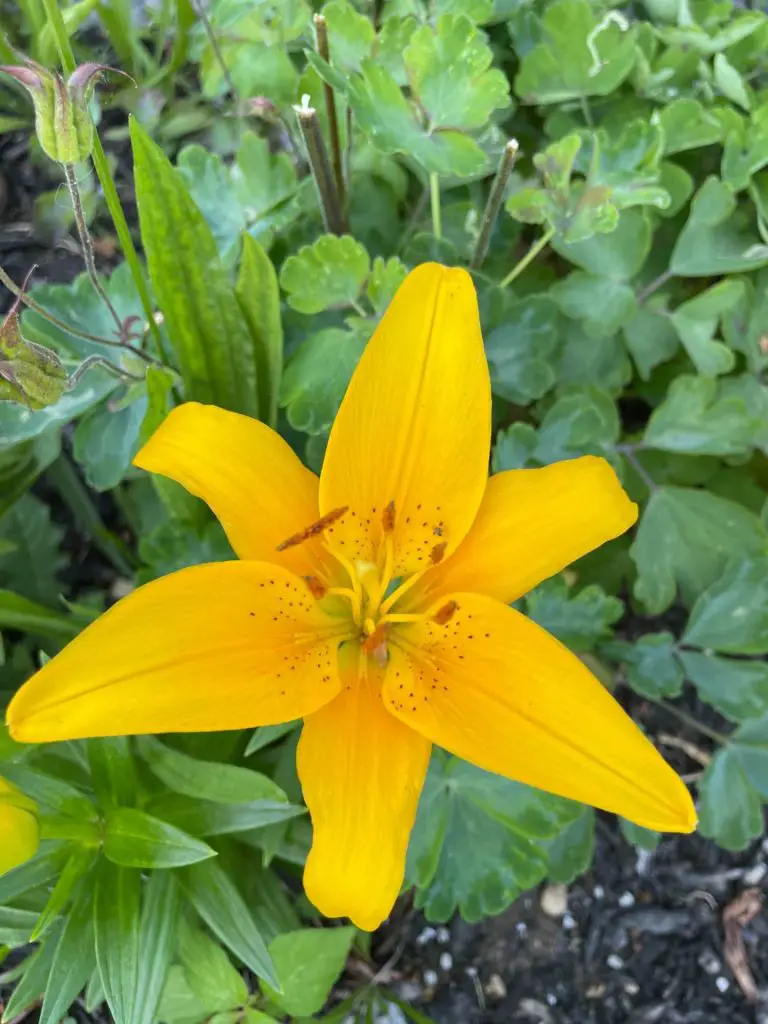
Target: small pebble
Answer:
[[471, 972], [569, 922], [626, 900], [425, 935], [722, 984], [446, 961], [551, 998], [756, 874], [443, 936], [595, 991], [631, 987], [644, 858], [710, 963], [598, 892], [430, 978], [522, 929], [615, 962], [495, 987], [554, 900]]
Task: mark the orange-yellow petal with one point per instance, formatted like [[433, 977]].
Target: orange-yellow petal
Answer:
[[19, 833], [253, 481], [494, 688], [361, 771], [224, 646], [531, 524], [414, 425]]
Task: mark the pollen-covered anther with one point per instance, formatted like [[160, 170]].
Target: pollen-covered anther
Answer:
[[388, 517], [438, 552], [314, 529], [444, 615], [316, 587]]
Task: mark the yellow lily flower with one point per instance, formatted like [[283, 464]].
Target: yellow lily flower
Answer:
[[373, 603], [19, 833]]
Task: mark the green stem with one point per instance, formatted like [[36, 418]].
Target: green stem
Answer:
[[492, 207], [75, 496], [106, 181], [434, 197], [690, 721], [529, 257]]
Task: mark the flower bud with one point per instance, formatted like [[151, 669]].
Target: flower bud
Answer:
[[62, 120], [19, 831]]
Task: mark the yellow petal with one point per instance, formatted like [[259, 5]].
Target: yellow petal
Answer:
[[414, 425], [496, 689], [361, 772], [19, 833], [531, 524], [224, 646], [255, 484]]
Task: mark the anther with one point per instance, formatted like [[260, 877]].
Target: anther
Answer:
[[312, 531], [438, 552], [444, 615], [388, 517], [317, 588]]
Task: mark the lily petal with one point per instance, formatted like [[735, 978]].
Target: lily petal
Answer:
[[224, 646], [494, 688], [19, 833], [414, 425], [255, 484], [531, 524], [361, 771]]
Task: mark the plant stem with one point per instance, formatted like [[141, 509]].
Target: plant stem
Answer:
[[434, 197], [689, 720], [87, 244], [413, 220], [107, 183], [529, 257], [200, 12], [323, 48], [586, 111], [656, 283], [495, 198], [75, 496], [321, 169], [629, 451]]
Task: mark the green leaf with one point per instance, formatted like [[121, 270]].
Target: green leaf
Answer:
[[176, 544], [651, 339], [21, 464], [570, 853], [729, 82], [258, 293], [308, 963], [206, 328], [713, 240], [385, 278], [578, 56], [79, 862], [629, 164], [32, 567], [701, 416], [602, 305], [328, 274], [207, 780], [134, 839], [638, 836], [477, 841], [618, 255], [449, 70], [577, 620], [43, 868], [317, 375], [216, 899], [208, 818], [687, 124], [73, 961], [732, 615], [116, 916], [685, 539], [267, 734], [112, 770], [521, 352], [256, 68], [744, 154], [351, 35], [16, 926], [106, 440], [731, 788], [53, 794], [652, 665], [737, 688], [27, 990], [209, 972], [696, 322], [18, 612], [157, 940]]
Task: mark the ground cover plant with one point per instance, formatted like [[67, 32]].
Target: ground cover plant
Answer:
[[226, 199]]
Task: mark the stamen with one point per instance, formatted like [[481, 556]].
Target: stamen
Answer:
[[388, 517], [404, 587], [353, 596], [375, 640], [438, 552], [444, 615], [314, 529], [317, 588]]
